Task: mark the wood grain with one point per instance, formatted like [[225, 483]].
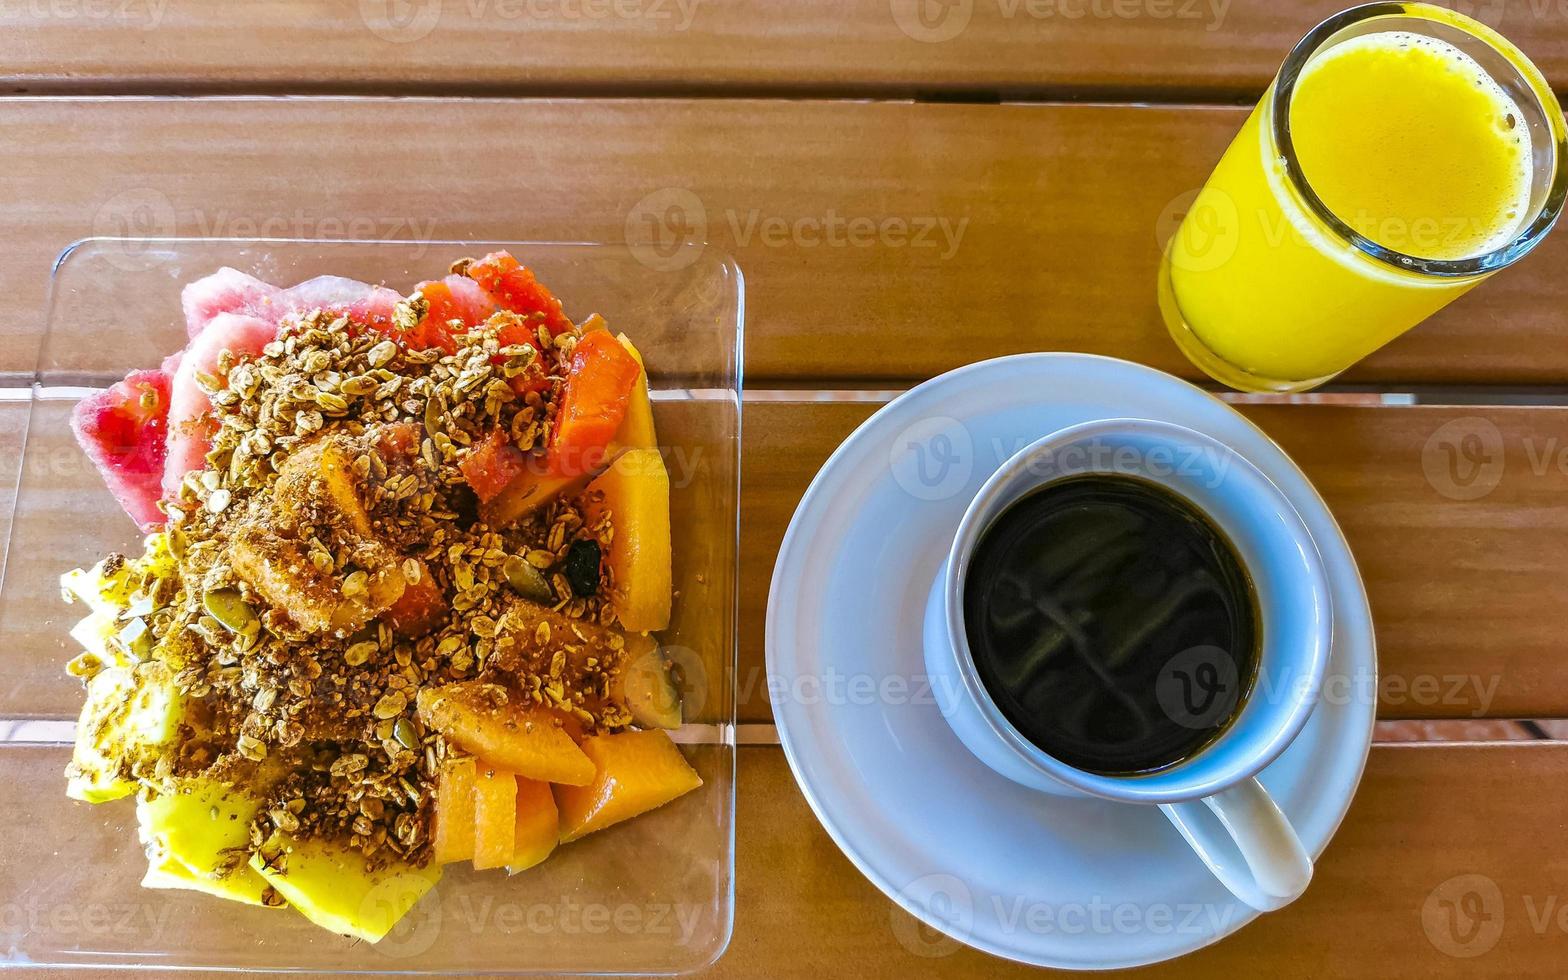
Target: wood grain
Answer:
[[881, 242], [1215, 49], [1467, 595], [1422, 816]]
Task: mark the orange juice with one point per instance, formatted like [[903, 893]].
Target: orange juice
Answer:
[[1408, 144]]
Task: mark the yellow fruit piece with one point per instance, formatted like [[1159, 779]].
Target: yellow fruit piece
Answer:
[[637, 772], [328, 884], [321, 476], [495, 816], [644, 685], [538, 825], [129, 714], [481, 720], [535, 488], [452, 837], [199, 828], [636, 492], [637, 430]]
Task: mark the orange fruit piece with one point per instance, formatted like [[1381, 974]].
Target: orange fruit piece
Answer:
[[482, 720], [452, 837], [538, 825], [636, 772], [495, 816]]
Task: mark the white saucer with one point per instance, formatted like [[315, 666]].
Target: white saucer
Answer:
[[1050, 881]]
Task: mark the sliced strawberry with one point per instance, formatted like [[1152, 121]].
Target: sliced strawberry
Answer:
[[123, 430], [513, 285], [226, 291], [190, 421], [492, 465]]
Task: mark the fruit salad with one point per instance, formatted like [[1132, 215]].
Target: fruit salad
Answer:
[[406, 561]]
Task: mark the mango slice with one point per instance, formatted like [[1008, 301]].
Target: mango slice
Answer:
[[538, 827], [328, 884], [495, 817], [636, 492], [529, 741], [452, 837], [199, 828], [637, 772]]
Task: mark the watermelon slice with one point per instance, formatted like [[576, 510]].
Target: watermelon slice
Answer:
[[357, 300], [226, 291], [190, 424], [122, 429]]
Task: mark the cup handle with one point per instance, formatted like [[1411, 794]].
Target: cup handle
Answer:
[[1258, 856]]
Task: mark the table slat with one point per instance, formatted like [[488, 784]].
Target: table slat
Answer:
[[835, 210], [1468, 596], [1144, 48], [1423, 815]]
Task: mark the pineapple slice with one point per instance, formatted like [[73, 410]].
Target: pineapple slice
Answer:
[[131, 713], [329, 884], [198, 829]]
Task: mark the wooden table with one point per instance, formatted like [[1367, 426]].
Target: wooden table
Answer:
[[1046, 147]]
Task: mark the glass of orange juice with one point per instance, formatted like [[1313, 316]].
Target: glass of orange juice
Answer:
[[1403, 154]]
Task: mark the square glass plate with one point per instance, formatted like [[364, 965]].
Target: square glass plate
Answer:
[[654, 895]]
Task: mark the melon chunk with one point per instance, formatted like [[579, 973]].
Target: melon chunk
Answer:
[[636, 492], [530, 741], [636, 772], [538, 827], [637, 430], [452, 836], [495, 816], [330, 885]]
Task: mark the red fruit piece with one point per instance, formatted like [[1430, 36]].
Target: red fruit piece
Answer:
[[226, 291], [190, 424], [513, 285], [492, 465], [419, 610], [359, 301], [598, 389], [454, 298], [122, 429]]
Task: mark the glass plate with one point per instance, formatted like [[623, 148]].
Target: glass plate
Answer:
[[654, 895]]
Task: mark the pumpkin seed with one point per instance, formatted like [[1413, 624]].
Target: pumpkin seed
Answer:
[[405, 734], [527, 581], [231, 611]]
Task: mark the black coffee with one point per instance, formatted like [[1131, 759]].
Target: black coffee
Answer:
[[1112, 623]]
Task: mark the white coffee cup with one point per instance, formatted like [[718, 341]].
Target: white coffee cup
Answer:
[[1250, 847]]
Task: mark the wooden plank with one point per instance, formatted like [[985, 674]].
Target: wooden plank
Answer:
[[1423, 816], [1468, 595], [916, 237], [1153, 48]]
